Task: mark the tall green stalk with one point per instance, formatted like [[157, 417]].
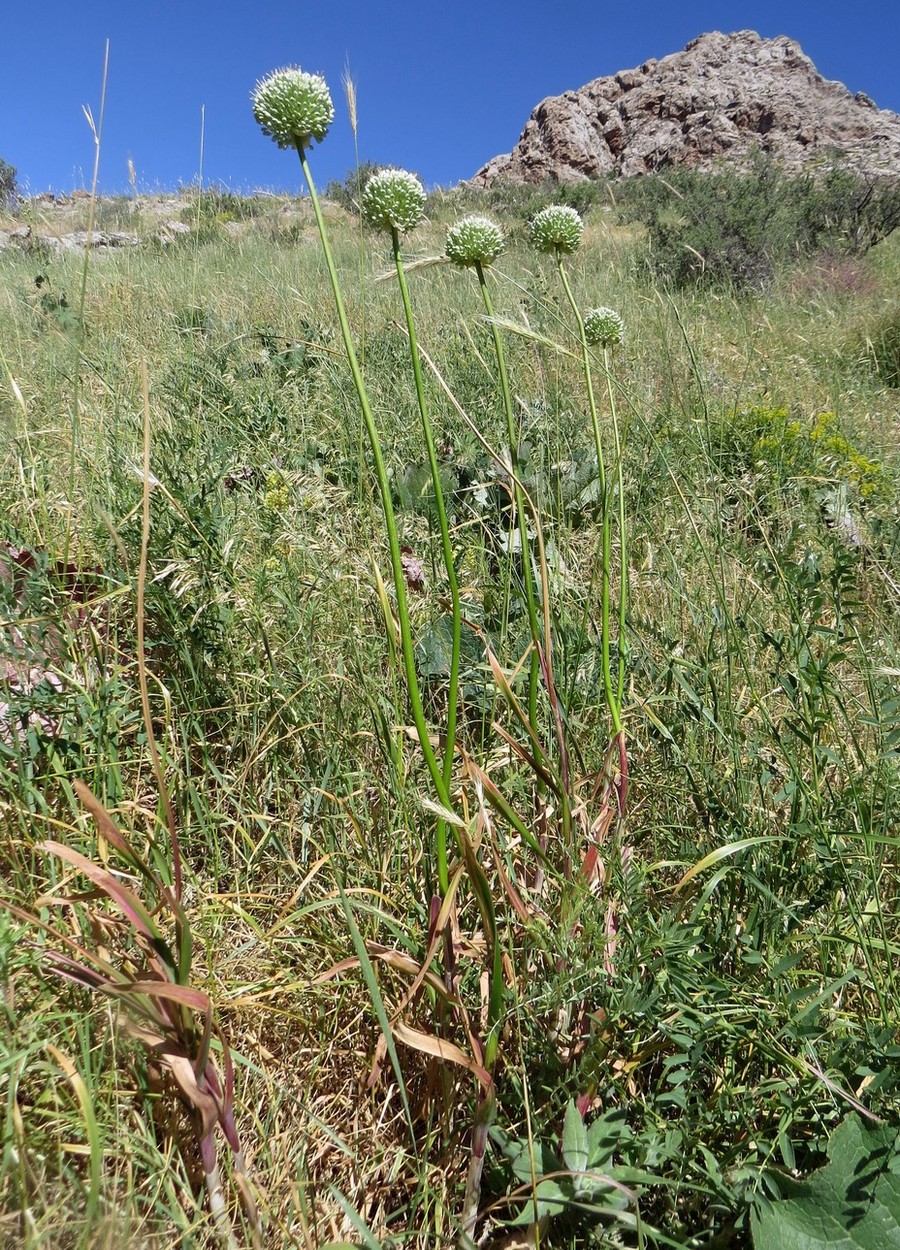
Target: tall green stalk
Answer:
[[623, 532], [613, 691], [406, 644], [446, 542], [512, 435]]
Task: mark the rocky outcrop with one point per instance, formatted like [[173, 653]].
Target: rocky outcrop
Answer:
[[719, 102], [76, 241], [79, 241]]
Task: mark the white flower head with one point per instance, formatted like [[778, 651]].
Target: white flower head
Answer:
[[393, 200], [293, 107], [603, 327], [474, 240], [557, 229]]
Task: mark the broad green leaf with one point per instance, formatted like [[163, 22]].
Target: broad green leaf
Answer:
[[521, 1154], [852, 1203], [550, 1198], [605, 1136], [574, 1139]]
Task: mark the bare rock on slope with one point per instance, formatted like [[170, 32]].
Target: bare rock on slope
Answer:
[[721, 100]]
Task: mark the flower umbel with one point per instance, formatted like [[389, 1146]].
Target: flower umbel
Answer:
[[293, 107], [603, 327], [393, 200], [474, 240], [557, 229]]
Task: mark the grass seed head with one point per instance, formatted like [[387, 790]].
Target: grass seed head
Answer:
[[393, 199], [603, 327], [557, 229], [474, 239], [293, 107]]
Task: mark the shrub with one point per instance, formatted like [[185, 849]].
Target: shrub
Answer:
[[216, 205], [735, 229], [883, 348], [785, 449], [8, 187], [526, 199], [349, 192]]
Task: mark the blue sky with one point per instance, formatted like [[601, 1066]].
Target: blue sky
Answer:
[[442, 87]]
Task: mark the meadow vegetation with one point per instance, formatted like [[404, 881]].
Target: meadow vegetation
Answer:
[[653, 971]]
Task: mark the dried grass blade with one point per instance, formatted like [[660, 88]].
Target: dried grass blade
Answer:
[[91, 1128], [126, 900], [378, 1004], [440, 1048]]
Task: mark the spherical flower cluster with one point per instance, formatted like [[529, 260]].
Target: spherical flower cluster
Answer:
[[474, 239], [603, 327], [393, 199], [557, 229], [293, 107]]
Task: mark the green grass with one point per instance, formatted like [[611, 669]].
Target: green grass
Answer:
[[733, 1018]]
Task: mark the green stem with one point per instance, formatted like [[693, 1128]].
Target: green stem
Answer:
[[613, 703], [521, 515], [406, 643], [446, 541], [623, 533]]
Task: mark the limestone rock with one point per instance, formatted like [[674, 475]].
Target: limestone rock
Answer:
[[20, 237], [719, 101]]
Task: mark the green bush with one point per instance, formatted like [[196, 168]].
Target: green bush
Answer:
[[8, 186], [216, 205], [788, 449], [348, 192], [521, 199], [883, 348], [733, 229]]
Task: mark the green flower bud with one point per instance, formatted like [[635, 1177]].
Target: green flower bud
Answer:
[[557, 229], [603, 327], [393, 199], [474, 239], [293, 107]]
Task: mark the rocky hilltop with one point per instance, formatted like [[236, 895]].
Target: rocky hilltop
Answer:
[[721, 100]]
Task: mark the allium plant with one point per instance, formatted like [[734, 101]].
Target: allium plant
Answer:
[[293, 108], [603, 327], [292, 115], [474, 241]]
